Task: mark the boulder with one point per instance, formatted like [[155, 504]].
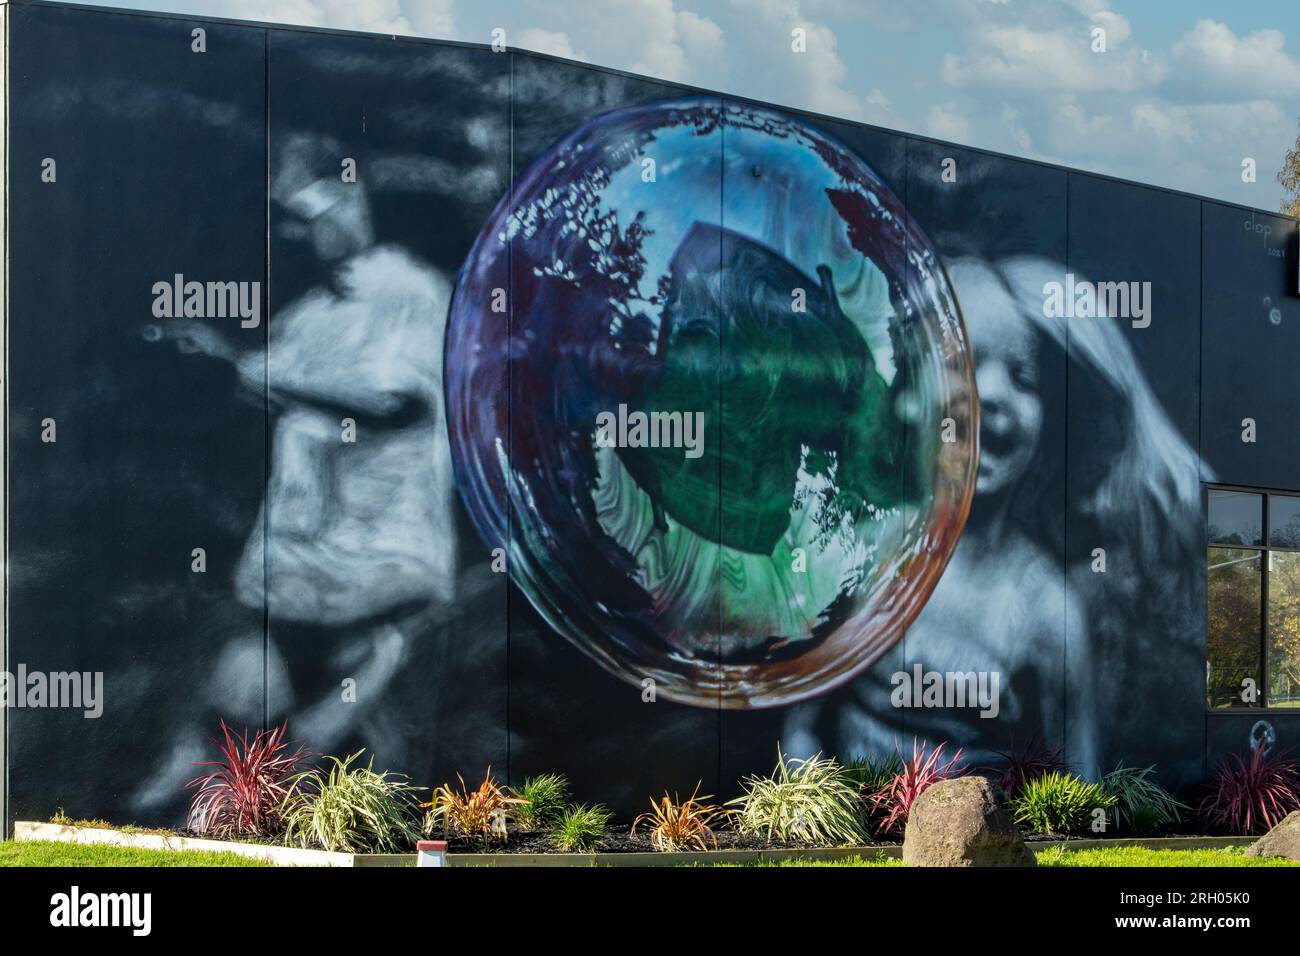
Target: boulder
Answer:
[[1283, 840], [958, 822]]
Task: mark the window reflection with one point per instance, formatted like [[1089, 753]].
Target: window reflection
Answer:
[[1236, 517], [1284, 521], [1283, 644], [1232, 631]]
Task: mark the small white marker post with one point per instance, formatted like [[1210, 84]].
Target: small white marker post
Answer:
[[431, 853]]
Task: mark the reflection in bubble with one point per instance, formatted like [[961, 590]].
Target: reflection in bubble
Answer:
[[688, 261]]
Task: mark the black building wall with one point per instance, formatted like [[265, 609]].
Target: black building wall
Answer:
[[354, 590]]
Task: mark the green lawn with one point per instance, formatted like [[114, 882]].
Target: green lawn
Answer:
[[1140, 856], [876, 860], [55, 853], [1059, 856]]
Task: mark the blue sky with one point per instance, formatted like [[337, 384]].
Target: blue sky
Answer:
[[1185, 90]]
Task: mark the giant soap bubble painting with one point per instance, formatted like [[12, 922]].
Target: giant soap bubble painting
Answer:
[[693, 263]]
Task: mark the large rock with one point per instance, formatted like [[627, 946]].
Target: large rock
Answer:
[[959, 822], [1282, 840]]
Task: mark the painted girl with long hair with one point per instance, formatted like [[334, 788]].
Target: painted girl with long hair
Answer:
[[1027, 595]]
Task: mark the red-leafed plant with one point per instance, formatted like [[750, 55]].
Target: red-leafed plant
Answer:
[[242, 796], [1024, 765], [891, 805], [1250, 796]]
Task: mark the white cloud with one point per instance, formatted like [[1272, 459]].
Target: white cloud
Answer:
[[700, 36], [1016, 130], [1074, 124], [431, 18], [1164, 123], [1022, 78], [879, 108], [378, 16], [546, 41], [827, 74], [1049, 59], [652, 37], [675, 43], [1217, 64], [815, 79], [948, 122], [877, 98]]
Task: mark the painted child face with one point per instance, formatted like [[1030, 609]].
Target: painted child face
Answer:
[[1007, 376]]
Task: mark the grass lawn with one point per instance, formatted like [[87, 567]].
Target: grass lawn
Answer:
[[1059, 856], [55, 853], [877, 860], [1140, 856]]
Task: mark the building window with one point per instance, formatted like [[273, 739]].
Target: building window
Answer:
[[1252, 620]]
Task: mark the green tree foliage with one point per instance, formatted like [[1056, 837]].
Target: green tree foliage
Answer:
[[1289, 177]]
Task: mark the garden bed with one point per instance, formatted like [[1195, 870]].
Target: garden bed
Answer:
[[265, 794], [618, 839], [891, 851]]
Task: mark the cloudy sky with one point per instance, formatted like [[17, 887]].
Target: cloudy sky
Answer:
[[1185, 90]]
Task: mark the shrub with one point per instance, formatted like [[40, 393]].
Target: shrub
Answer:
[[680, 825], [544, 799], [352, 810], [1059, 802], [1024, 765], [1249, 797], [808, 801], [891, 804], [1141, 804], [580, 827], [872, 774], [242, 796], [480, 813]]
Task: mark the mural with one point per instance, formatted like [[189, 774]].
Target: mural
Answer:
[[359, 556], [574, 422]]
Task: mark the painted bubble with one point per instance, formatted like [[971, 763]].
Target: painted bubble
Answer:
[[709, 391]]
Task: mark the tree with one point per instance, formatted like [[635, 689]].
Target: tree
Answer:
[[1289, 177], [1234, 585], [1284, 630]]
